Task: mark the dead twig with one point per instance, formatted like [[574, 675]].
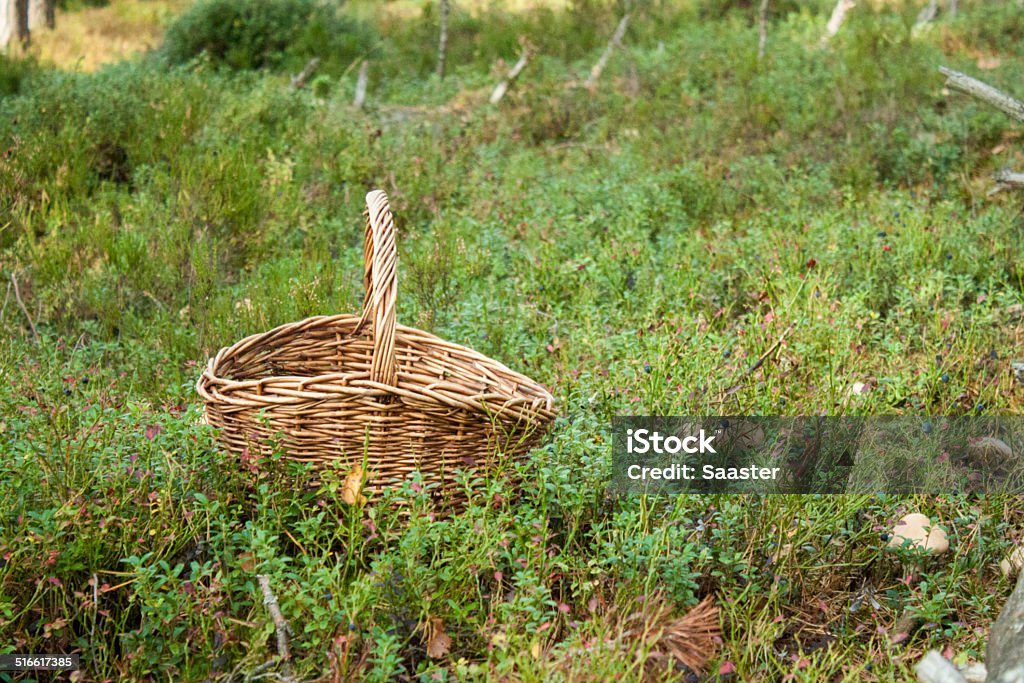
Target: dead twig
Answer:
[[760, 361], [513, 74], [300, 79], [21, 305], [614, 42], [280, 624]]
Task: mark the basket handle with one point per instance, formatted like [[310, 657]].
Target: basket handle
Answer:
[[380, 280]]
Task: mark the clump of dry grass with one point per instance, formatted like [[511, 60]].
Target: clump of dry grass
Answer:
[[88, 38]]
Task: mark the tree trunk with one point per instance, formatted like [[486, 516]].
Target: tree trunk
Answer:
[[762, 29], [1005, 656], [442, 41], [8, 19], [21, 22], [51, 13]]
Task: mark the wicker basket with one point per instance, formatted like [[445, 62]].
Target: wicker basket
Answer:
[[363, 390]]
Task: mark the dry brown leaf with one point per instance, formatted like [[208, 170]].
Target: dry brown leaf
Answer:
[[351, 490], [438, 642], [248, 563]]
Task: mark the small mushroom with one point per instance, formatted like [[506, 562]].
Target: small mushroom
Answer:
[[1013, 563], [921, 533]]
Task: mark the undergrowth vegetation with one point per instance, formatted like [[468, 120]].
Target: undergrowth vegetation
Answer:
[[635, 249]]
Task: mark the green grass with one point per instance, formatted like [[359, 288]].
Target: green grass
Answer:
[[680, 219]]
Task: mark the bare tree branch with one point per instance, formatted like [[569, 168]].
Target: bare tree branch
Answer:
[[614, 42], [513, 74], [983, 91], [300, 79], [280, 624]]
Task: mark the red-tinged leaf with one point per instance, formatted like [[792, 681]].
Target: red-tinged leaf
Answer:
[[550, 348], [803, 663], [498, 576], [727, 667], [777, 619], [54, 580], [544, 627], [810, 263], [563, 608], [152, 431]]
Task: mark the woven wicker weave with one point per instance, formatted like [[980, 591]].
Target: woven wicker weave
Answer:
[[363, 389]]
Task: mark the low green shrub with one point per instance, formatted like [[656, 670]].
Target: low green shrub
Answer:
[[258, 34]]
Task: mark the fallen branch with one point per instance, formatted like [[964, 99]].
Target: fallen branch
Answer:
[[983, 91], [280, 624], [513, 74], [760, 361], [21, 305], [835, 22], [361, 82], [1007, 180], [300, 79], [614, 42]]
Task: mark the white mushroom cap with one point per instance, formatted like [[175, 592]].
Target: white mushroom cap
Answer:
[[922, 534]]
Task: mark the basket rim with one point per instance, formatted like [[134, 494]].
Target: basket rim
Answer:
[[296, 389]]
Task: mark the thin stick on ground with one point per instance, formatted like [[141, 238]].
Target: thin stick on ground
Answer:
[[300, 79], [613, 42], [361, 83], [762, 29], [21, 305], [513, 74], [280, 624]]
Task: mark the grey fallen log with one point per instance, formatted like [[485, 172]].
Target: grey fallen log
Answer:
[[983, 91], [1004, 658]]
